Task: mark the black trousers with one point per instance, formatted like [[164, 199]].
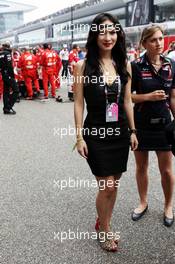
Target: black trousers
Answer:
[[22, 89], [65, 67], [10, 92]]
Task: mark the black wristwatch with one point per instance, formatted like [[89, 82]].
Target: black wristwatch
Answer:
[[133, 131]]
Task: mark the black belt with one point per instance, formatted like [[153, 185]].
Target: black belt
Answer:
[[158, 121]]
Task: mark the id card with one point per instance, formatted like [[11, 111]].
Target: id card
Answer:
[[111, 112]]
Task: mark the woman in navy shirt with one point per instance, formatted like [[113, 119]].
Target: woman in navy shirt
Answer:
[[153, 87]]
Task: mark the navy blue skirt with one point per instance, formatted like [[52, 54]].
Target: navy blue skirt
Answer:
[[152, 140]]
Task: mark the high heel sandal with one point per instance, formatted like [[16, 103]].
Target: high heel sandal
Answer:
[[97, 228], [107, 241]]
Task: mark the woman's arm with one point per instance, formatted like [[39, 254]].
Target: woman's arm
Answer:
[[140, 98], [172, 102], [128, 106], [157, 95], [78, 97], [128, 102], [79, 107]]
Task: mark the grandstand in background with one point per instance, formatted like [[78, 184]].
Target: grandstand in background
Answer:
[[11, 14], [71, 25]]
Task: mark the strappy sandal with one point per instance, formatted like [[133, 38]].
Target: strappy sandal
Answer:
[[97, 228], [107, 241]]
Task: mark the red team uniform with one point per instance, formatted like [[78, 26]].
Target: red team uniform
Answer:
[[73, 59], [58, 66], [49, 60], [28, 63]]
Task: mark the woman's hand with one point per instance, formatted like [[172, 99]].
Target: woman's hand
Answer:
[[157, 95], [82, 148], [134, 141]]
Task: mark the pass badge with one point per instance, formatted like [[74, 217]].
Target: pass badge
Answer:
[[111, 112]]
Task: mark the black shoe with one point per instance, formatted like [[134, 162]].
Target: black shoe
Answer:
[[137, 216], [168, 221], [9, 112], [59, 99]]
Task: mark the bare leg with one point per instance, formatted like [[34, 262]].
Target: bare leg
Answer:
[[167, 179], [113, 197], [141, 158], [105, 200]]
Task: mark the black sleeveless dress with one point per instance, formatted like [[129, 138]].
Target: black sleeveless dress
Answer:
[[107, 142]]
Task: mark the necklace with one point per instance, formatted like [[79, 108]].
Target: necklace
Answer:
[[106, 67], [157, 64], [109, 72]]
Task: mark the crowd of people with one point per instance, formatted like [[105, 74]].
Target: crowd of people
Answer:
[[24, 72]]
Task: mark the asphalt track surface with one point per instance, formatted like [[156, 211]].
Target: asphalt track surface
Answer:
[[40, 223]]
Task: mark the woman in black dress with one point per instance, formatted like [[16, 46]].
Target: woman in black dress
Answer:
[[153, 80], [103, 80]]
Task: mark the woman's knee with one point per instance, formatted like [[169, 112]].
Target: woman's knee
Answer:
[[167, 174], [108, 188], [109, 191]]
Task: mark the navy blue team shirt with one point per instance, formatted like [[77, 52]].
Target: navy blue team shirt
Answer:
[[145, 79]]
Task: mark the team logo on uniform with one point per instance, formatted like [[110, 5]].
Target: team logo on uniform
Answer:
[[29, 57], [146, 74], [166, 67]]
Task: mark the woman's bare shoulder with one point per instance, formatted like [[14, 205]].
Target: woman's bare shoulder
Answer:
[[129, 67], [80, 64], [79, 67]]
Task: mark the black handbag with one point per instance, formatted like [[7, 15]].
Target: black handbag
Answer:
[[170, 134]]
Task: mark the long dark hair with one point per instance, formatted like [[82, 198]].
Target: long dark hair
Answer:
[[119, 56]]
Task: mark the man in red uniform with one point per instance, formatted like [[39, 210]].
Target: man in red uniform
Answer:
[[18, 74], [28, 64], [58, 65], [57, 70], [73, 59], [48, 62], [38, 51], [15, 58]]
